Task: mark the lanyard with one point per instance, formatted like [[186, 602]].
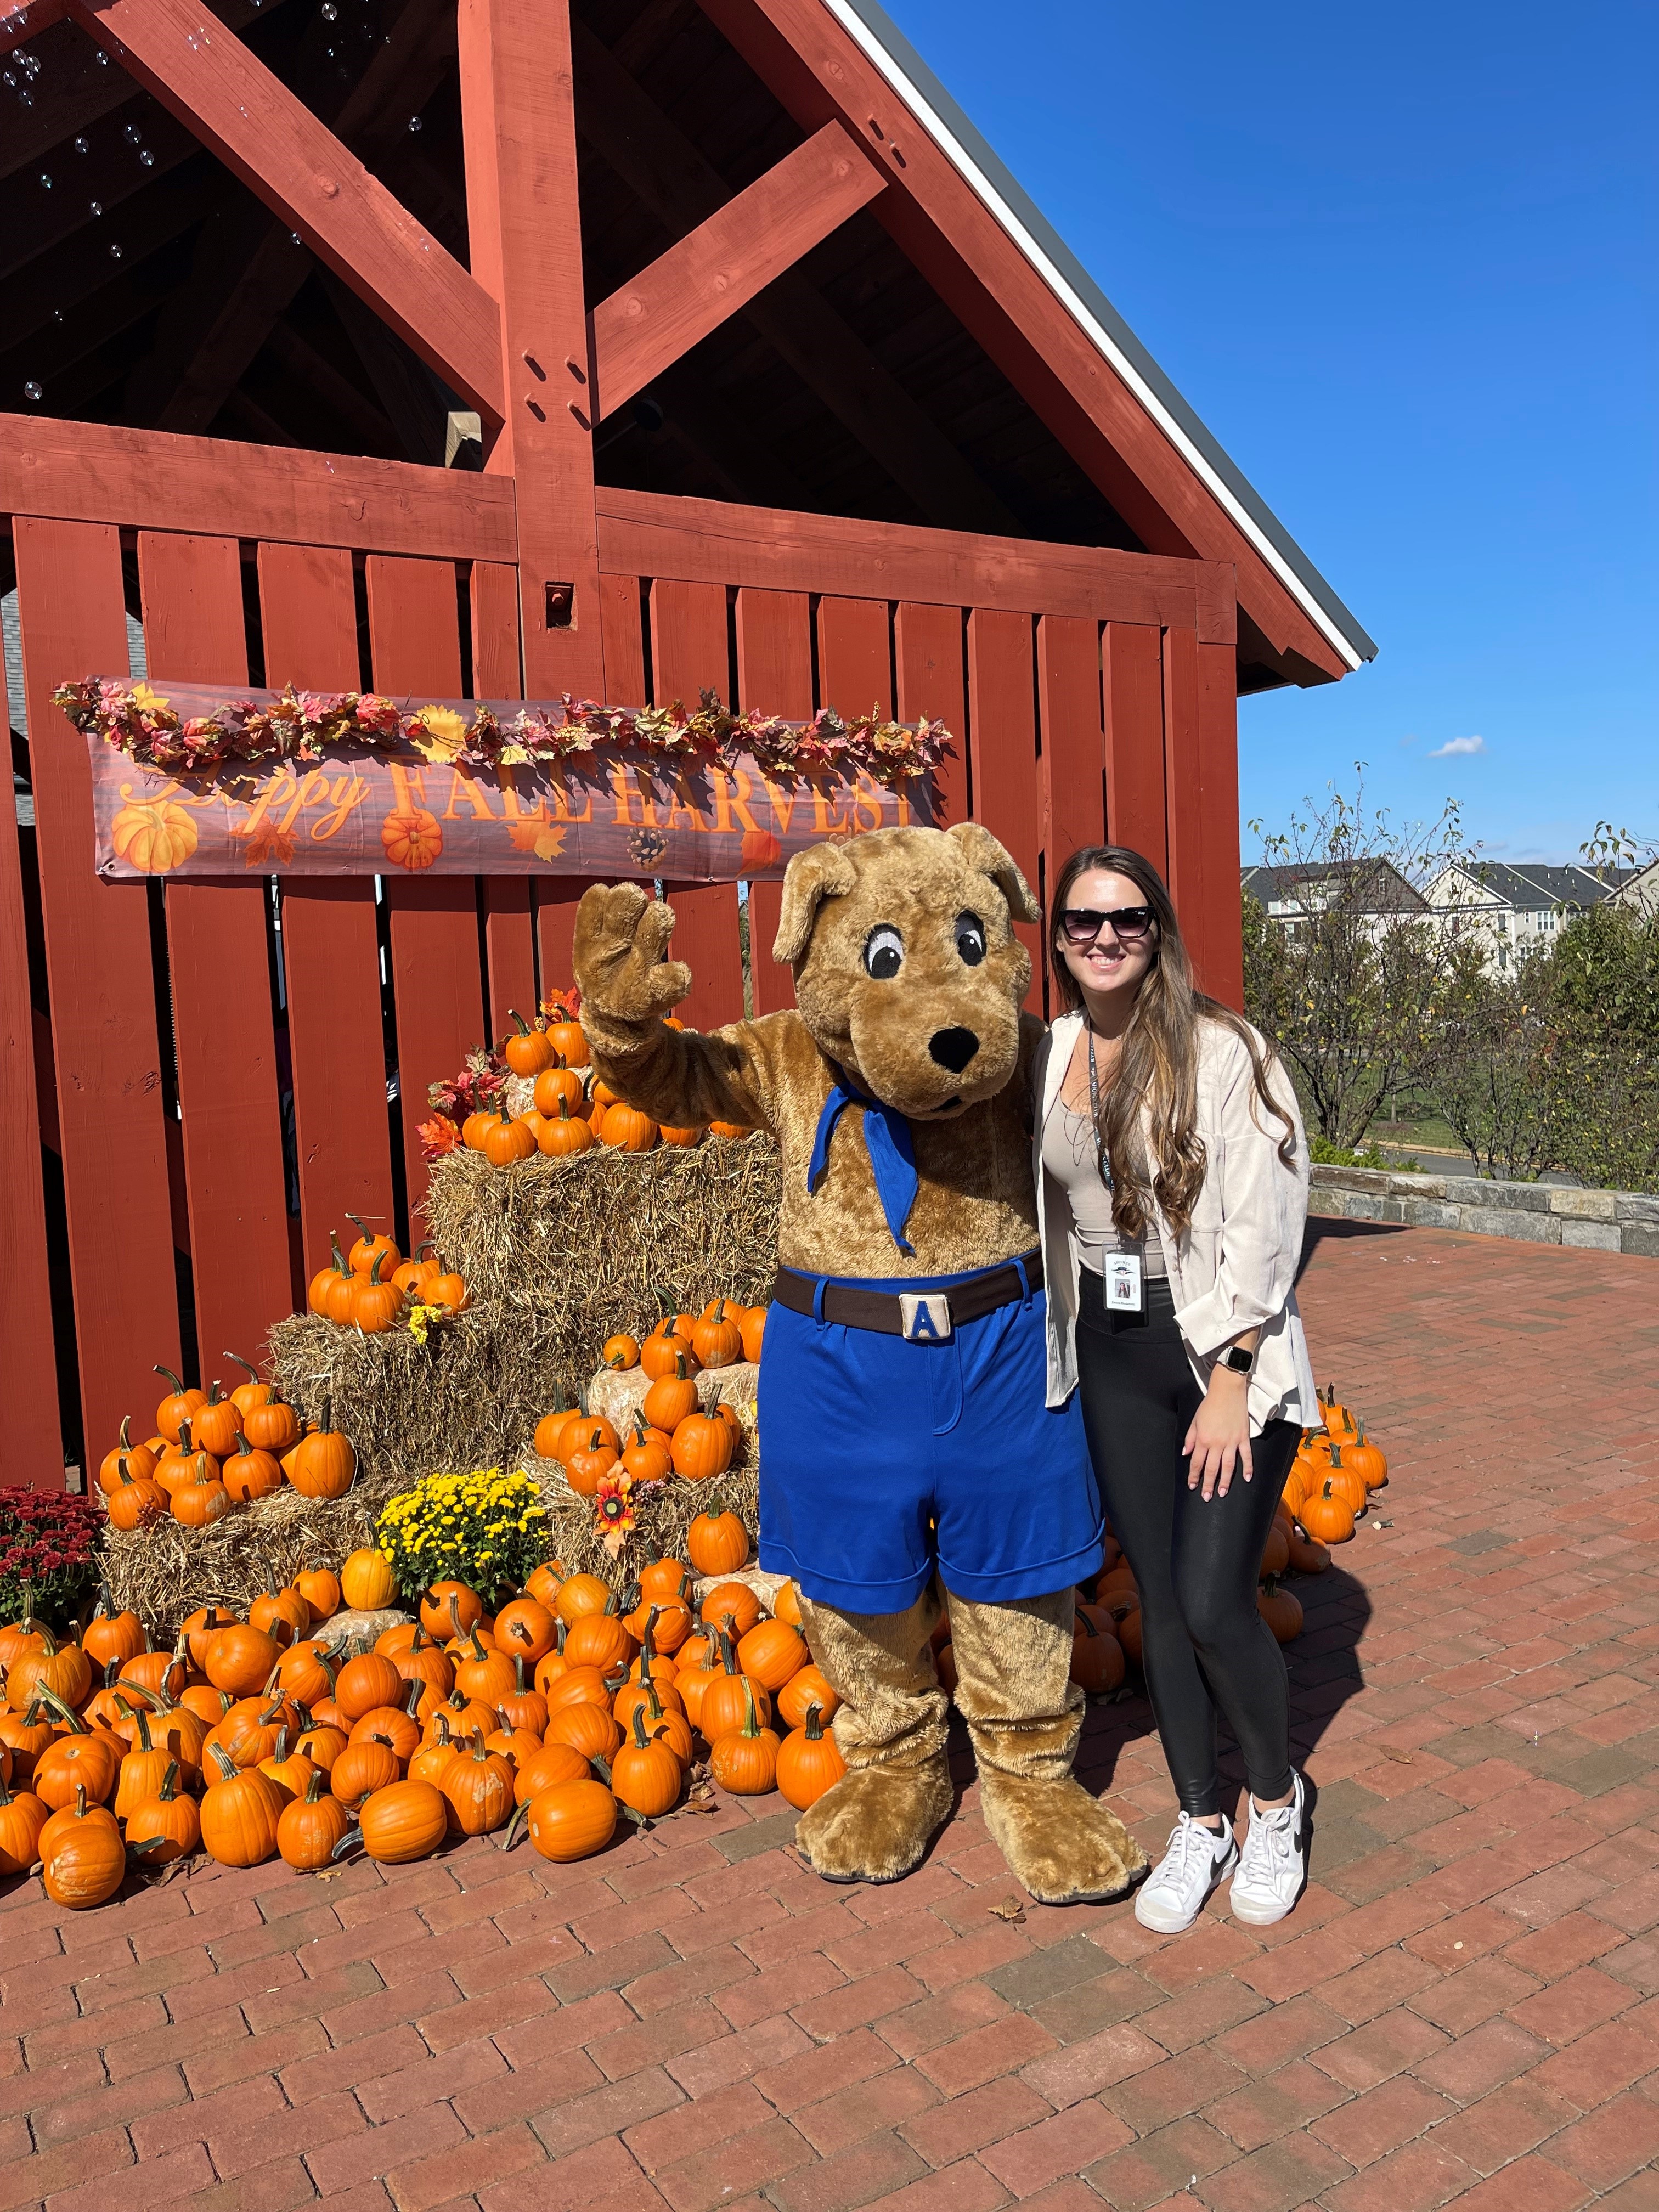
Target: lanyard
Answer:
[[1101, 1160]]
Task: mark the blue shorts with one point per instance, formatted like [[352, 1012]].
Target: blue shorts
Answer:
[[884, 1461]]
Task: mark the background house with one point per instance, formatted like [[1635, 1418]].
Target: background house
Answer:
[[1375, 888], [1516, 909]]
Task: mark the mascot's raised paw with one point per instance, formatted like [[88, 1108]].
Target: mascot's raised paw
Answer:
[[876, 1822], [621, 937], [1062, 1845]]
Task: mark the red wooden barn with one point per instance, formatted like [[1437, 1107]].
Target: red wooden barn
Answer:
[[501, 348]]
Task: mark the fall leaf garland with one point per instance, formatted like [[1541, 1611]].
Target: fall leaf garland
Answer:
[[303, 726]]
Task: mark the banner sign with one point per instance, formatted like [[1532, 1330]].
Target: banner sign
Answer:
[[443, 787]]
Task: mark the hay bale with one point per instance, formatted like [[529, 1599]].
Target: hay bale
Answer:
[[164, 1573], [611, 1239], [460, 1400], [618, 1395], [663, 1514]]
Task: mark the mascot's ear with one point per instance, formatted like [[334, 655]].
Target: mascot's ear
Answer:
[[993, 859], [821, 871]]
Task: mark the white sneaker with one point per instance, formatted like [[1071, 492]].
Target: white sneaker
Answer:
[[1272, 1867], [1174, 1894]]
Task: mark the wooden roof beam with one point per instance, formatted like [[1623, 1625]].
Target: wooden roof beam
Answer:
[[718, 267], [671, 177], [211, 82]]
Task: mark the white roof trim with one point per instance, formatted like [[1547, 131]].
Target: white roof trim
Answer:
[[949, 145]]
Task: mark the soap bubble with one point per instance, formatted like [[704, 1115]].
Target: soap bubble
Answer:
[[81, 146], [330, 11], [97, 206], [147, 159], [115, 253], [414, 122], [32, 390], [45, 182], [133, 134]]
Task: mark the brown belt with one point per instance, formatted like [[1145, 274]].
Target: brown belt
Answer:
[[922, 1317]]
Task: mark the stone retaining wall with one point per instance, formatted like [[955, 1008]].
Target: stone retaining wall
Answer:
[[1534, 1212]]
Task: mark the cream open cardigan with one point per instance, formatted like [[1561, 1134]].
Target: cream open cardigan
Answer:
[[1234, 1267]]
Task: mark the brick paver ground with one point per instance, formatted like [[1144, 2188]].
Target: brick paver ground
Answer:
[[1464, 2009]]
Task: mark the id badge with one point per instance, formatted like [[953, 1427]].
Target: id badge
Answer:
[[1122, 1282]]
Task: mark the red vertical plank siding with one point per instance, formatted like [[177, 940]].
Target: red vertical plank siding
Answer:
[[856, 663], [1183, 806], [1133, 671], [331, 953], [775, 674], [495, 591], [1003, 708], [508, 941], [689, 655], [28, 1398], [234, 1185], [1219, 951], [1073, 750], [415, 644], [929, 646], [103, 995]]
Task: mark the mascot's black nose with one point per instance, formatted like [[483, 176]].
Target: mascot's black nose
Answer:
[[953, 1048]]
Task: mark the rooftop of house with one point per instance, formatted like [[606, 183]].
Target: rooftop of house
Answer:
[[1377, 882], [1534, 886]]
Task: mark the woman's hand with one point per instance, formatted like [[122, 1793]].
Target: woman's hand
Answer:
[[1219, 1438]]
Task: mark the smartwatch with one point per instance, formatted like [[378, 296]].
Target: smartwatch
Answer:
[[1237, 1358]]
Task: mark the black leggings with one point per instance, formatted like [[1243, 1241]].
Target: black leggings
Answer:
[[1196, 1562]]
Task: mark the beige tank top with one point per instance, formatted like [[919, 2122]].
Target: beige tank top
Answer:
[[1071, 1156]]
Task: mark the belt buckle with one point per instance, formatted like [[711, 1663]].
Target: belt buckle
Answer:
[[924, 1317]]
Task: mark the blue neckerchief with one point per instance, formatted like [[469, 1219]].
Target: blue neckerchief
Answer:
[[892, 1155]]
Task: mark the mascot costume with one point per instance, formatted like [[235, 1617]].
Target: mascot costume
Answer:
[[904, 1439]]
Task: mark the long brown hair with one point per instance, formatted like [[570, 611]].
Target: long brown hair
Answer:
[[1158, 1066]]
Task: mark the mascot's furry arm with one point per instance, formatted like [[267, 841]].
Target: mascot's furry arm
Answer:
[[682, 1078]]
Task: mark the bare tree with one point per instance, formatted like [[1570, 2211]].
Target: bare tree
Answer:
[[1348, 977]]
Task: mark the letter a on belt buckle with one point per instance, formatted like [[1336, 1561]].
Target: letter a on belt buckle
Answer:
[[926, 1317]]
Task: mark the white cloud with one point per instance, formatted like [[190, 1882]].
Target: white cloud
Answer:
[[1458, 746]]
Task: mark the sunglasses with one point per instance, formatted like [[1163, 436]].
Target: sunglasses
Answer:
[[1081, 925]]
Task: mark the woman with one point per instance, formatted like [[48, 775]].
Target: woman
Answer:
[[1172, 1189]]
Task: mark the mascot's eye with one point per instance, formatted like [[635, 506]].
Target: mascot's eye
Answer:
[[970, 938], [884, 952]]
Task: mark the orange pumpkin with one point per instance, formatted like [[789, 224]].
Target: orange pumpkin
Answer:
[[808, 1762], [411, 837]]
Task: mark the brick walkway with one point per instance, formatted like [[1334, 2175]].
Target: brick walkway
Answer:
[[1464, 2008]]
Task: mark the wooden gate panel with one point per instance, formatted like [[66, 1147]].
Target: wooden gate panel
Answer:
[[28, 1397], [224, 1037], [1074, 749], [1219, 948], [1182, 807], [509, 937], [105, 1043], [1002, 715], [437, 984], [775, 675], [855, 660], [330, 951], [1132, 664], [928, 646], [689, 655]]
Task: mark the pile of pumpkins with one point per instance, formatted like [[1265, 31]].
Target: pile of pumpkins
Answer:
[[671, 1432], [256, 1739], [210, 1453], [1336, 1469], [371, 1286], [570, 1111]]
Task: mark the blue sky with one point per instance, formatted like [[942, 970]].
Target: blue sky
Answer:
[[1402, 265]]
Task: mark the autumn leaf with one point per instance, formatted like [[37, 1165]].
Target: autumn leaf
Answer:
[[438, 733], [536, 835], [268, 847]]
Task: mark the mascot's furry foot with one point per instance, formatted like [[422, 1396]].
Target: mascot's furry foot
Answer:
[[876, 1822], [1061, 1844]]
